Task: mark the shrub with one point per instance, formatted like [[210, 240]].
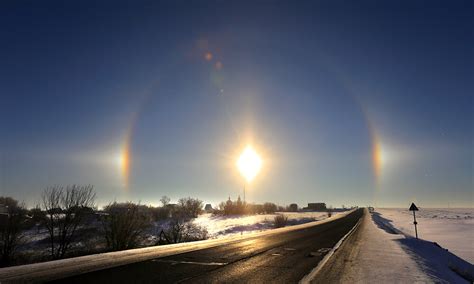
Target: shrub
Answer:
[[161, 213], [188, 207], [181, 230], [280, 221], [293, 207], [124, 224], [269, 207], [11, 226]]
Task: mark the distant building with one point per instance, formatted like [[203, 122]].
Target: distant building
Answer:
[[208, 208], [316, 207], [293, 207]]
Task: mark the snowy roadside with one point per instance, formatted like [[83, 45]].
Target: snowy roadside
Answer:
[[452, 229], [434, 260], [371, 255]]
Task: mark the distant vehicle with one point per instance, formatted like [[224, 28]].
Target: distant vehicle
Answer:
[[371, 209]]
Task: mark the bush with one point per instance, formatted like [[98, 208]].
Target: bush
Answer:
[[293, 207], [11, 226], [160, 213], [188, 207], [181, 230], [256, 209], [280, 221], [269, 207], [124, 224]]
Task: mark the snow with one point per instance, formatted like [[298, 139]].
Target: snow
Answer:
[[446, 226], [452, 229], [225, 226], [46, 271], [372, 255]]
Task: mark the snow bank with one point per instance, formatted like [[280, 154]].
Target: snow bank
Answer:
[[452, 229], [371, 255], [437, 262]]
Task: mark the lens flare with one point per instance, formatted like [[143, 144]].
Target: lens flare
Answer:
[[249, 164]]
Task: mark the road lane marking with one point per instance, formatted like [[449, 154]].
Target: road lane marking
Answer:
[[174, 262]]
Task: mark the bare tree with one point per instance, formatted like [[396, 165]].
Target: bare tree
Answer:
[[189, 207], [182, 229], [66, 209], [12, 222], [165, 200], [125, 224]]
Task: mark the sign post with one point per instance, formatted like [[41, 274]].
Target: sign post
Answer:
[[414, 208]]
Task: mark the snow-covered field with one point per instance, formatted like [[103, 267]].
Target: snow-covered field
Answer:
[[222, 226], [453, 229]]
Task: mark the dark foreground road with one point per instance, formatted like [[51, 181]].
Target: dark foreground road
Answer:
[[279, 258]]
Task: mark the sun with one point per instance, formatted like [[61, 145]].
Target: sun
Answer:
[[249, 164]]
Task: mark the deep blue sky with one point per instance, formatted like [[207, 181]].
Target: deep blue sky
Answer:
[[312, 85]]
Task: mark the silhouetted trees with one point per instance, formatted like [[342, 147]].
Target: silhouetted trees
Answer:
[[189, 207], [12, 222], [66, 209], [240, 208], [180, 227], [124, 224], [293, 207], [269, 207]]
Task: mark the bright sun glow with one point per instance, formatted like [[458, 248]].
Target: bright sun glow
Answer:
[[249, 164]]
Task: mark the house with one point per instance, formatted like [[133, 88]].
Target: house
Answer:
[[316, 207], [208, 208]]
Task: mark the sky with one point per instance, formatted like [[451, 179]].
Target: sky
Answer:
[[348, 103]]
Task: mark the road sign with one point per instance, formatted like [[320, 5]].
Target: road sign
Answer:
[[414, 208]]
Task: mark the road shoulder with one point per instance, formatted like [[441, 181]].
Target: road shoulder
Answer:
[[370, 255]]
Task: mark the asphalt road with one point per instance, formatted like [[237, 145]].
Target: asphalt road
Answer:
[[278, 258], [339, 266]]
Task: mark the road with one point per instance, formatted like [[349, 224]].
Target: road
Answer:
[[278, 258]]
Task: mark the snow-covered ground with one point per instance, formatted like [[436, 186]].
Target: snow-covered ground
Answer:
[[444, 231], [371, 255], [452, 229], [224, 226], [51, 270]]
